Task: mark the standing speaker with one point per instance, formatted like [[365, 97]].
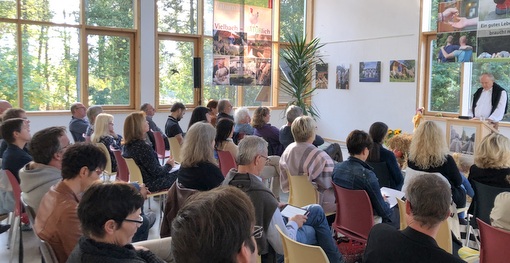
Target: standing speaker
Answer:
[[197, 73]]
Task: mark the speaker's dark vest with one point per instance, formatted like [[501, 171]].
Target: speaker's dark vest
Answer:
[[496, 94]]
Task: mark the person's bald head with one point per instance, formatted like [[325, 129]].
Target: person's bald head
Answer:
[[4, 105]]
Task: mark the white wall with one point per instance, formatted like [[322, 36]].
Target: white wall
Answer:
[[369, 30]]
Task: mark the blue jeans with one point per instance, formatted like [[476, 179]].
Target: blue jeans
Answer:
[[316, 231]]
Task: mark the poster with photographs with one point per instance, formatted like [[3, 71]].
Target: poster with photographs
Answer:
[[462, 139], [242, 43], [402, 70], [473, 30], [321, 76], [342, 76], [370, 71]]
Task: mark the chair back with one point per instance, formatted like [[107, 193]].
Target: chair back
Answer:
[[402, 213], [443, 237], [122, 168], [494, 243], [29, 210], [177, 197], [160, 146], [354, 214], [108, 167], [226, 161], [135, 175], [47, 253], [296, 252], [175, 149], [382, 173], [301, 191], [483, 201], [16, 191]]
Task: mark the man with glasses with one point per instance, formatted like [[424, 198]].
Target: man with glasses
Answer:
[[47, 147], [79, 123], [57, 220], [311, 228], [216, 226]]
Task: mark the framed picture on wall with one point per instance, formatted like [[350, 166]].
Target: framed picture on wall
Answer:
[[321, 77], [402, 70], [370, 71], [342, 76]]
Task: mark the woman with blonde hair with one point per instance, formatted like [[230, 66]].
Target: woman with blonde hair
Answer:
[[264, 129], [429, 153], [198, 169], [105, 134], [492, 161], [155, 176]]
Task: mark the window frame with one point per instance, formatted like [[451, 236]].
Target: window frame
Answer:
[[84, 31]]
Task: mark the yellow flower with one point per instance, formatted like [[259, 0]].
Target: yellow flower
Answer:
[[398, 131], [390, 131]]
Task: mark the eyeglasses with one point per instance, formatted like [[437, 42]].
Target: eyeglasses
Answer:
[[99, 171], [139, 221], [265, 157], [257, 232], [65, 147]]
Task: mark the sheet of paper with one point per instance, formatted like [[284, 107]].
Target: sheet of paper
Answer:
[[290, 211], [176, 167], [391, 194]]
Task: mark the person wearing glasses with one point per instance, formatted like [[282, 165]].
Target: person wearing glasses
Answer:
[[79, 123], [57, 220], [47, 147], [107, 232], [310, 229], [216, 226]]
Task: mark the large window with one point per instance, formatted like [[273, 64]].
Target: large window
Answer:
[[449, 87], [187, 29], [54, 53]]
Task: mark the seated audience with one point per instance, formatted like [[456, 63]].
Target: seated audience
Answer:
[[242, 121], [378, 131], [500, 214], [212, 105], [224, 110], [198, 168], [200, 114], [57, 220], [312, 228], [427, 206], [12, 113], [107, 232], [92, 113], [104, 133], [78, 124], [286, 137], [155, 176], [4, 105], [149, 113], [172, 128], [47, 147], [265, 130], [216, 226], [492, 161], [429, 153], [224, 133], [355, 174], [16, 133], [302, 157]]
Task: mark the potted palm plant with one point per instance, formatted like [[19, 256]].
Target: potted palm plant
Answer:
[[298, 63]]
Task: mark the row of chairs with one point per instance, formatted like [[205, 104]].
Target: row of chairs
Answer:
[[47, 253], [358, 220]]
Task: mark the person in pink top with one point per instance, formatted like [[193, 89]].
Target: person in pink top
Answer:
[[302, 157]]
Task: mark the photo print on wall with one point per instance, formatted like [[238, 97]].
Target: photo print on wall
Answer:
[[402, 70], [342, 75], [370, 71], [321, 77]]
